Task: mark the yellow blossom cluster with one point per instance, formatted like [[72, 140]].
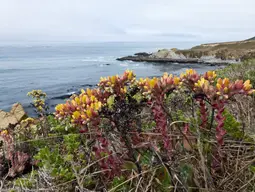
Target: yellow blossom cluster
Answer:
[[210, 75], [86, 106], [3, 132], [117, 85], [81, 108], [223, 89], [158, 86]]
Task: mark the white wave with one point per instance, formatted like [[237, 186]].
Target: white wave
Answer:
[[124, 64], [71, 93]]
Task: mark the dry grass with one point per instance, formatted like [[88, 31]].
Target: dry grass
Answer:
[[231, 50]]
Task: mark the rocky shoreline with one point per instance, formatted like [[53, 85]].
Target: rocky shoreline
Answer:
[[170, 56], [170, 60], [211, 54]]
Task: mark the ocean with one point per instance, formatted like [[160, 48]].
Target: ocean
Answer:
[[62, 69]]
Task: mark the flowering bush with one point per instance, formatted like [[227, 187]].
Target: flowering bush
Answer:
[[91, 113]]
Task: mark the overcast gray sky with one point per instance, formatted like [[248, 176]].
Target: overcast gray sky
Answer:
[[126, 20]]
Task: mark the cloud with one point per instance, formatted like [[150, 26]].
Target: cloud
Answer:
[[126, 20]]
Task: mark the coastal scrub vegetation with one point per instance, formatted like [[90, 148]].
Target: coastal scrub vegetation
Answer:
[[173, 133]]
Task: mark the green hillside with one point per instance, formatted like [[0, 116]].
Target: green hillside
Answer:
[[253, 38]]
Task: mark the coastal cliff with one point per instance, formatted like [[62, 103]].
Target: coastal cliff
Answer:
[[212, 53]]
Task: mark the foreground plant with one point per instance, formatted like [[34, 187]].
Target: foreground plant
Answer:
[[91, 108], [153, 134]]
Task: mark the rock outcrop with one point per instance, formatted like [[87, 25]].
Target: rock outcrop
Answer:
[[171, 56], [13, 117], [212, 54]]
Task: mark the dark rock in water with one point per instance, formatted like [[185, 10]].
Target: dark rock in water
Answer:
[[65, 96], [143, 54], [87, 85], [157, 60]]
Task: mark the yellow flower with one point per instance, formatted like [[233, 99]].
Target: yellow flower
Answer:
[[247, 85], [202, 83], [165, 75], [84, 98], [225, 82], [73, 102], [97, 105], [176, 80], [89, 113], [152, 83], [113, 79], [190, 72], [124, 90], [210, 75], [219, 81], [59, 107], [76, 115], [93, 98], [225, 90], [130, 75], [89, 92], [102, 79], [218, 86], [77, 100], [4, 132]]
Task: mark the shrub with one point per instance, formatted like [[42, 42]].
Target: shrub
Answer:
[[110, 113], [154, 134]]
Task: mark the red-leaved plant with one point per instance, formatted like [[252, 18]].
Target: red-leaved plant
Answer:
[[90, 111]]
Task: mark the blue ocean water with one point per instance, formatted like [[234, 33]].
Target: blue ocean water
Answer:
[[61, 69]]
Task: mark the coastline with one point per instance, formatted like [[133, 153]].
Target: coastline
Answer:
[[209, 54]]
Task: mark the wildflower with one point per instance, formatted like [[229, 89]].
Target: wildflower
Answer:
[[3, 133], [247, 85], [76, 115], [210, 75], [202, 83]]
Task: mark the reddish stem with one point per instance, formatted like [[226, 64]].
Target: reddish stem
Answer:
[[220, 132], [161, 122], [203, 113]]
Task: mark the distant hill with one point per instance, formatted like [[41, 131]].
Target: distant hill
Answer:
[[233, 50], [253, 38]]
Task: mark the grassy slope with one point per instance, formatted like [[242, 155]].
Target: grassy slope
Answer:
[[245, 70], [253, 38], [229, 50]]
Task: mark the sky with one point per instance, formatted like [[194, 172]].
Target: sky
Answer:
[[126, 20]]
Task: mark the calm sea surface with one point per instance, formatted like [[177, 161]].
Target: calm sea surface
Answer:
[[62, 69]]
